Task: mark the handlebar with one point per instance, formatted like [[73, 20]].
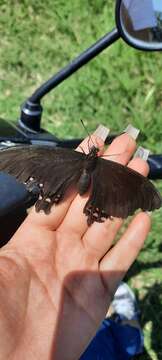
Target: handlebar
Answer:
[[12, 134]]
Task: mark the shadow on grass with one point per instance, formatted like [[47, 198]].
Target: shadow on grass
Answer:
[[151, 311], [150, 307]]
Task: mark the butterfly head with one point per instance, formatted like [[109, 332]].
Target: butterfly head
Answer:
[[93, 153]]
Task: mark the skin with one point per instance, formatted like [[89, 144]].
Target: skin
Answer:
[[58, 276]]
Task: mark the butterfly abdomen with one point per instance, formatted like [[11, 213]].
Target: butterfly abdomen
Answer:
[[84, 182], [85, 178]]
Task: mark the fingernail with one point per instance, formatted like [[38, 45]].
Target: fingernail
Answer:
[[149, 213], [142, 153], [132, 131], [102, 132]]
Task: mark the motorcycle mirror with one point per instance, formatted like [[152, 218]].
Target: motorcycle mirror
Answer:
[[140, 23]]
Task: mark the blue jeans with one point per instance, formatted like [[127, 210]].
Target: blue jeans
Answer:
[[114, 341]]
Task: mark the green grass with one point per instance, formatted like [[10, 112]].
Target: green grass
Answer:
[[120, 86]]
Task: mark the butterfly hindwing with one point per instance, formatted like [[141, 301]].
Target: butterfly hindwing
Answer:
[[117, 191]]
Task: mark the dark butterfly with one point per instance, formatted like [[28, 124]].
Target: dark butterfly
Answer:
[[115, 190]]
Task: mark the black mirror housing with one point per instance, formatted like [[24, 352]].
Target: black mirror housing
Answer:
[[140, 23]]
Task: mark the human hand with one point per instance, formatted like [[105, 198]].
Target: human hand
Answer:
[[58, 276]]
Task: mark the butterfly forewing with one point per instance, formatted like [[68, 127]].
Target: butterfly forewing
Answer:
[[55, 170]]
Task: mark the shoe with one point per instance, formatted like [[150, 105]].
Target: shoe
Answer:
[[124, 305]]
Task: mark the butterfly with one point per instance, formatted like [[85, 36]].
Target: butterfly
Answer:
[[114, 189]]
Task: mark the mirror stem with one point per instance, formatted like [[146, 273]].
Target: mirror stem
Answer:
[[31, 110]]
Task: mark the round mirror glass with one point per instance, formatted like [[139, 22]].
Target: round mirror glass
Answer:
[[141, 23]]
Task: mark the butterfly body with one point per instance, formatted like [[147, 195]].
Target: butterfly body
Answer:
[[89, 165], [114, 189]]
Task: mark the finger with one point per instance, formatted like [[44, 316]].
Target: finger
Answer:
[[59, 211], [121, 149], [117, 261], [98, 238]]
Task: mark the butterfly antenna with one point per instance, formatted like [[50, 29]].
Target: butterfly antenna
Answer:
[[90, 137]]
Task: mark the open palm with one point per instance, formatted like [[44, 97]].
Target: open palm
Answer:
[[58, 276]]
